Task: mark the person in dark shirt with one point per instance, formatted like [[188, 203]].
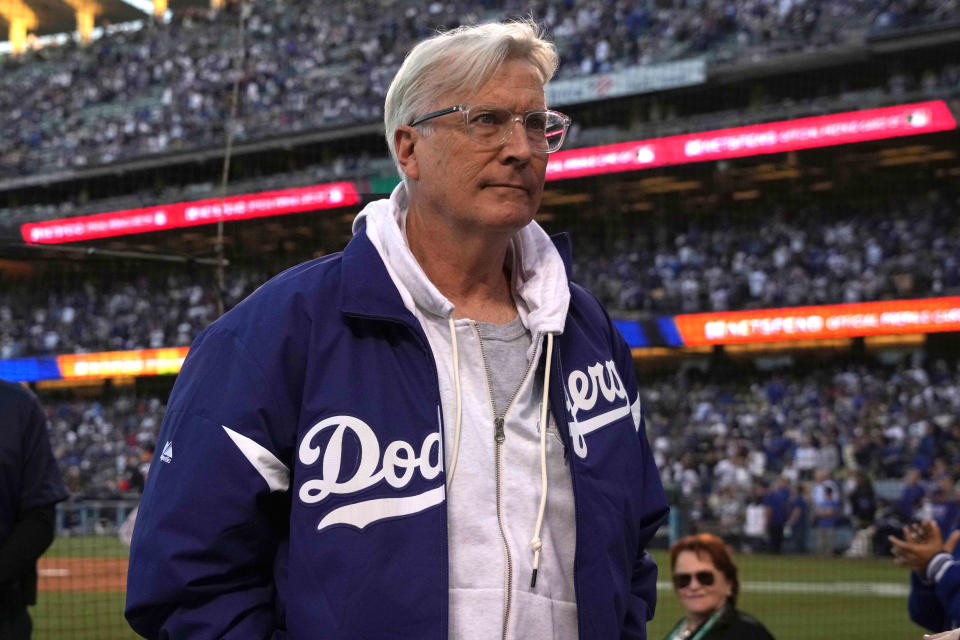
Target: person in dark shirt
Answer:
[[777, 502], [911, 496], [944, 506], [863, 501], [30, 486], [798, 524]]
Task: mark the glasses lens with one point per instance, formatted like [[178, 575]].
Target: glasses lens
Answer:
[[682, 580], [487, 125], [546, 130], [491, 126]]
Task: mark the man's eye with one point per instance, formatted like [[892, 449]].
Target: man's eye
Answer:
[[536, 122], [488, 118]]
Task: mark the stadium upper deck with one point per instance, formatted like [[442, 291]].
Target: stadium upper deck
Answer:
[[166, 87]]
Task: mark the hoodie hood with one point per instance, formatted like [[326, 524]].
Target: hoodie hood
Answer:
[[538, 276]]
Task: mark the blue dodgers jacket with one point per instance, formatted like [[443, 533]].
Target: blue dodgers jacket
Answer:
[[299, 492], [934, 601]]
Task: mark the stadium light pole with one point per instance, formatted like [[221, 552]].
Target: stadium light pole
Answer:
[[85, 11], [21, 18], [228, 150]]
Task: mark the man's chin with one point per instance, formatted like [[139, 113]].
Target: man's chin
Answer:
[[512, 218], [512, 208]]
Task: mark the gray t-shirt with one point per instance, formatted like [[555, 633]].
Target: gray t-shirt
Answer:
[[505, 347]]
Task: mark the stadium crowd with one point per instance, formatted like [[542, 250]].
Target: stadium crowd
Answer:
[[104, 447], [114, 314], [844, 253], [808, 446], [803, 452], [814, 255], [167, 86]]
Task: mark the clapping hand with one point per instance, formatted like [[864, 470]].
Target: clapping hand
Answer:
[[920, 543]]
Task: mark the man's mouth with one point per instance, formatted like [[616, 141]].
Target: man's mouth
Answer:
[[507, 185]]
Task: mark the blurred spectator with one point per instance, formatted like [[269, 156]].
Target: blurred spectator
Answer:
[[822, 484], [807, 457], [826, 519], [945, 507], [755, 523], [911, 496], [863, 504], [777, 502], [798, 524]]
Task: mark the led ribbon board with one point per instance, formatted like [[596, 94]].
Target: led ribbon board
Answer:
[[773, 137], [188, 214], [85, 366], [818, 322], [788, 135], [141, 362]]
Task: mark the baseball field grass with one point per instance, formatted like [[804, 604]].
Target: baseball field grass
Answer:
[[797, 597]]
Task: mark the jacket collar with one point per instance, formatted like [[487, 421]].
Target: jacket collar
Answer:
[[366, 288]]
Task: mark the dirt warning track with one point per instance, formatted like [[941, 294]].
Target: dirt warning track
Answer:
[[82, 574]]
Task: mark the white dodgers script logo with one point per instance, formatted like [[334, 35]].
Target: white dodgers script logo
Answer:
[[584, 390], [399, 462]]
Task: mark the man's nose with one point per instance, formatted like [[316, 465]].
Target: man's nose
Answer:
[[517, 145]]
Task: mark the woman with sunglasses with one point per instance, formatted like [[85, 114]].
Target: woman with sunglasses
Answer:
[[705, 580]]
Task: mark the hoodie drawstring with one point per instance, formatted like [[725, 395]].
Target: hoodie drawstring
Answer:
[[456, 384], [537, 544]]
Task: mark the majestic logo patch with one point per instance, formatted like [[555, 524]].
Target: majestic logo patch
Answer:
[[167, 454], [397, 465], [601, 383]]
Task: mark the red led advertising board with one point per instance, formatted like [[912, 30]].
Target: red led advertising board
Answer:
[[816, 322], [804, 133], [773, 137], [188, 214]]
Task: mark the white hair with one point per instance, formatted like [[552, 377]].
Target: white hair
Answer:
[[461, 60]]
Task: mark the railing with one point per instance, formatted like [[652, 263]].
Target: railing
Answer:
[[93, 517]]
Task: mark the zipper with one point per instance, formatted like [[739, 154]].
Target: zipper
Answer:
[[499, 435]]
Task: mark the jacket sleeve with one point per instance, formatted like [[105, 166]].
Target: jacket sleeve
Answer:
[[215, 505], [923, 606], [935, 601], [643, 588]]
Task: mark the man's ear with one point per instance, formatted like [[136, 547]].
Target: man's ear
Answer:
[[405, 140]]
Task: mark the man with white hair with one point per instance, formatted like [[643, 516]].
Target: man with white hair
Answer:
[[431, 435]]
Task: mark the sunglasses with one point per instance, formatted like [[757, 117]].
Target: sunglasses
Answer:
[[705, 578]]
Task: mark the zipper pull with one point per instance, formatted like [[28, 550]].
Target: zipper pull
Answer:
[[498, 433]]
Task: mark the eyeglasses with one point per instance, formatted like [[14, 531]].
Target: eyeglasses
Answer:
[[705, 578], [491, 126]]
